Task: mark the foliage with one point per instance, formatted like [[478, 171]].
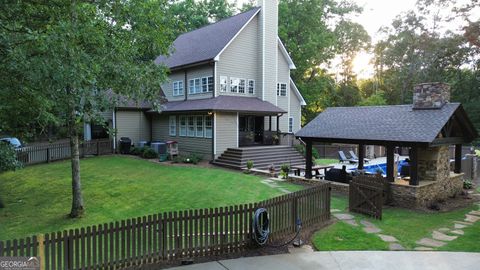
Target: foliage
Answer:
[[283, 174], [137, 151], [149, 153], [301, 149], [477, 152], [373, 100], [249, 164], [8, 161], [118, 187], [467, 184], [325, 161], [285, 167], [192, 158]]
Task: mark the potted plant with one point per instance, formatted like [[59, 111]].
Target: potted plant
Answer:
[[275, 139], [249, 166], [271, 169]]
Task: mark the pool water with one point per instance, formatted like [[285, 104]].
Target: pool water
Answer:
[[372, 169]]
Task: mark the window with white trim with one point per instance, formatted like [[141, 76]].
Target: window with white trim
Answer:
[[191, 126], [282, 89], [241, 86], [234, 82], [251, 87], [199, 126], [178, 88], [290, 124], [208, 127], [207, 84], [223, 83], [172, 126], [183, 125], [194, 86]]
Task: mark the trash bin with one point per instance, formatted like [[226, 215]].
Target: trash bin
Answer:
[[161, 149], [125, 144]]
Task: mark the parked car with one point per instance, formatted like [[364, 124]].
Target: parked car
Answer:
[[16, 143]]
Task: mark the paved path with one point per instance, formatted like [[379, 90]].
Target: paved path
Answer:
[[349, 260]]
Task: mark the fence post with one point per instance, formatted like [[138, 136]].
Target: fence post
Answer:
[[294, 212], [41, 250], [98, 148], [48, 154]]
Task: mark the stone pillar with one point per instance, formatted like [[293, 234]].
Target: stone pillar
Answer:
[[433, 163], [430, 95]]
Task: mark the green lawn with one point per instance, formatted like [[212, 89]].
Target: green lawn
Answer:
[[325, 161], [38, 198], [407, 226]]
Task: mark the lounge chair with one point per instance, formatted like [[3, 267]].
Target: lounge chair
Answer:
[[343, 158], [354, 157]]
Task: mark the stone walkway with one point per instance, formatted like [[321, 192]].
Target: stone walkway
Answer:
[[439, 238], [272, 182]]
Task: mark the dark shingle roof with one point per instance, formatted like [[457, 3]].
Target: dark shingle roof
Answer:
[[223, 103], [398, 123], [205, 43]]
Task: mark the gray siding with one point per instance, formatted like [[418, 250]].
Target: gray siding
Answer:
[[240, 59], [226, 131], [167, 86], [283, 77], [160, 131], [199, 72], [133, 124], [268, 33], [295, 111]]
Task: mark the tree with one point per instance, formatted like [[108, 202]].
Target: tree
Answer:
[[8, 161], [69, 56], [373, 100]]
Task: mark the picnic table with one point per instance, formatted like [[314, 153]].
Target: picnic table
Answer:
[[298, 169]]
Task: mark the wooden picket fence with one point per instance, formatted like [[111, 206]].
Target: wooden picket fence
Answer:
[[172, 236], [367, 194], [58, 151]]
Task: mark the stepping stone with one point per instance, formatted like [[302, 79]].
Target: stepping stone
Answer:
[[423, 248], [343, 216], [476, 213], [395, 246], [285, 191], [443, 229], [387, 238], [371, 229], [333, 210], [430, 242], [298, 250], [464, 223], [459, 232], [470, 218], [442, 237], [352, 222], [460, 226], [367, 223]]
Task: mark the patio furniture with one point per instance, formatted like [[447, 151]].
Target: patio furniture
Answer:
[[343, 158], [338, 175], [354, 157], [298, 169]]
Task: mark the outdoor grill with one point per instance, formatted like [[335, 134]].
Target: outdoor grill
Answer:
[[125, 144]]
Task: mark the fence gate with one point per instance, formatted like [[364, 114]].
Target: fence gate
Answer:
[[366, 195]]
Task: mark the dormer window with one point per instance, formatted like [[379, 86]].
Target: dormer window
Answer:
[[251, 87], [241, 86], [282, 89], [207, 84], [178, 88], [234, 82], [223, 83]]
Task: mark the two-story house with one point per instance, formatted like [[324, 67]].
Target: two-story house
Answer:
[[229, 87]]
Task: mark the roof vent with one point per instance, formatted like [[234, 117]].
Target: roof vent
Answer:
[[431, 95]]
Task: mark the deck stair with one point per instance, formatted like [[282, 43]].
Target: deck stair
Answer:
[[262, 157]]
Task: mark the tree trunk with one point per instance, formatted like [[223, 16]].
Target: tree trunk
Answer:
[[77, 199]]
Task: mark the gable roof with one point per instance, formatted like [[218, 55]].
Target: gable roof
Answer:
[[397, 123], [205, 43], [297, 92], [223, 103]]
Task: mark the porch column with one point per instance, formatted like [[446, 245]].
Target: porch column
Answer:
[[309, 162], [269, 123], [390, 163], [361, 156], [278, 124], [414, 166], [458, 158]]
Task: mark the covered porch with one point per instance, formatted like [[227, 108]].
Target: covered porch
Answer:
[[258, 129]]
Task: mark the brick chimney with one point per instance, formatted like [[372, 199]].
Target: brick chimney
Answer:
[[432, 95]]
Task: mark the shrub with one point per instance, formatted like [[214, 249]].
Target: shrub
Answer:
[[301, 149], [285, 168], [149, 153], [249, 164], [137, 151], [8, 161], [467, 184]]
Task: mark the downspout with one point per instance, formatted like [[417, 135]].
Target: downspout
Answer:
[[114, 123], [214, 94], [186, 85]]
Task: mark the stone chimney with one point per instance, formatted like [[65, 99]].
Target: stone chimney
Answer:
[[431, 95]]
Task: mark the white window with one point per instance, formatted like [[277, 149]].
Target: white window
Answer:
[[234, 82], [199, 126], [191, 86], [207, 84], [282, 89], [194, 86], [223, 83], [172, 125], [251, 87], [241, 86], [208, 127], [183, 125], [290, 124], [191, 126], [178, 88]]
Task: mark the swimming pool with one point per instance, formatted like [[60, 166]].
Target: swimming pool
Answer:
[[372, 169]]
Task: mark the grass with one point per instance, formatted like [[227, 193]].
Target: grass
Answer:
[[408, 226], [38, 198], [325, 161]]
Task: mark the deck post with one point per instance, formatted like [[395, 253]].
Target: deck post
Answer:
[[390, 163], [361, 156], [278, 124], [309, 162], [269, 123], [458, 158], [414, 166]]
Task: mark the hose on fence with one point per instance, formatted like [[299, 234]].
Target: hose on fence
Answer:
[[261, 228]]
